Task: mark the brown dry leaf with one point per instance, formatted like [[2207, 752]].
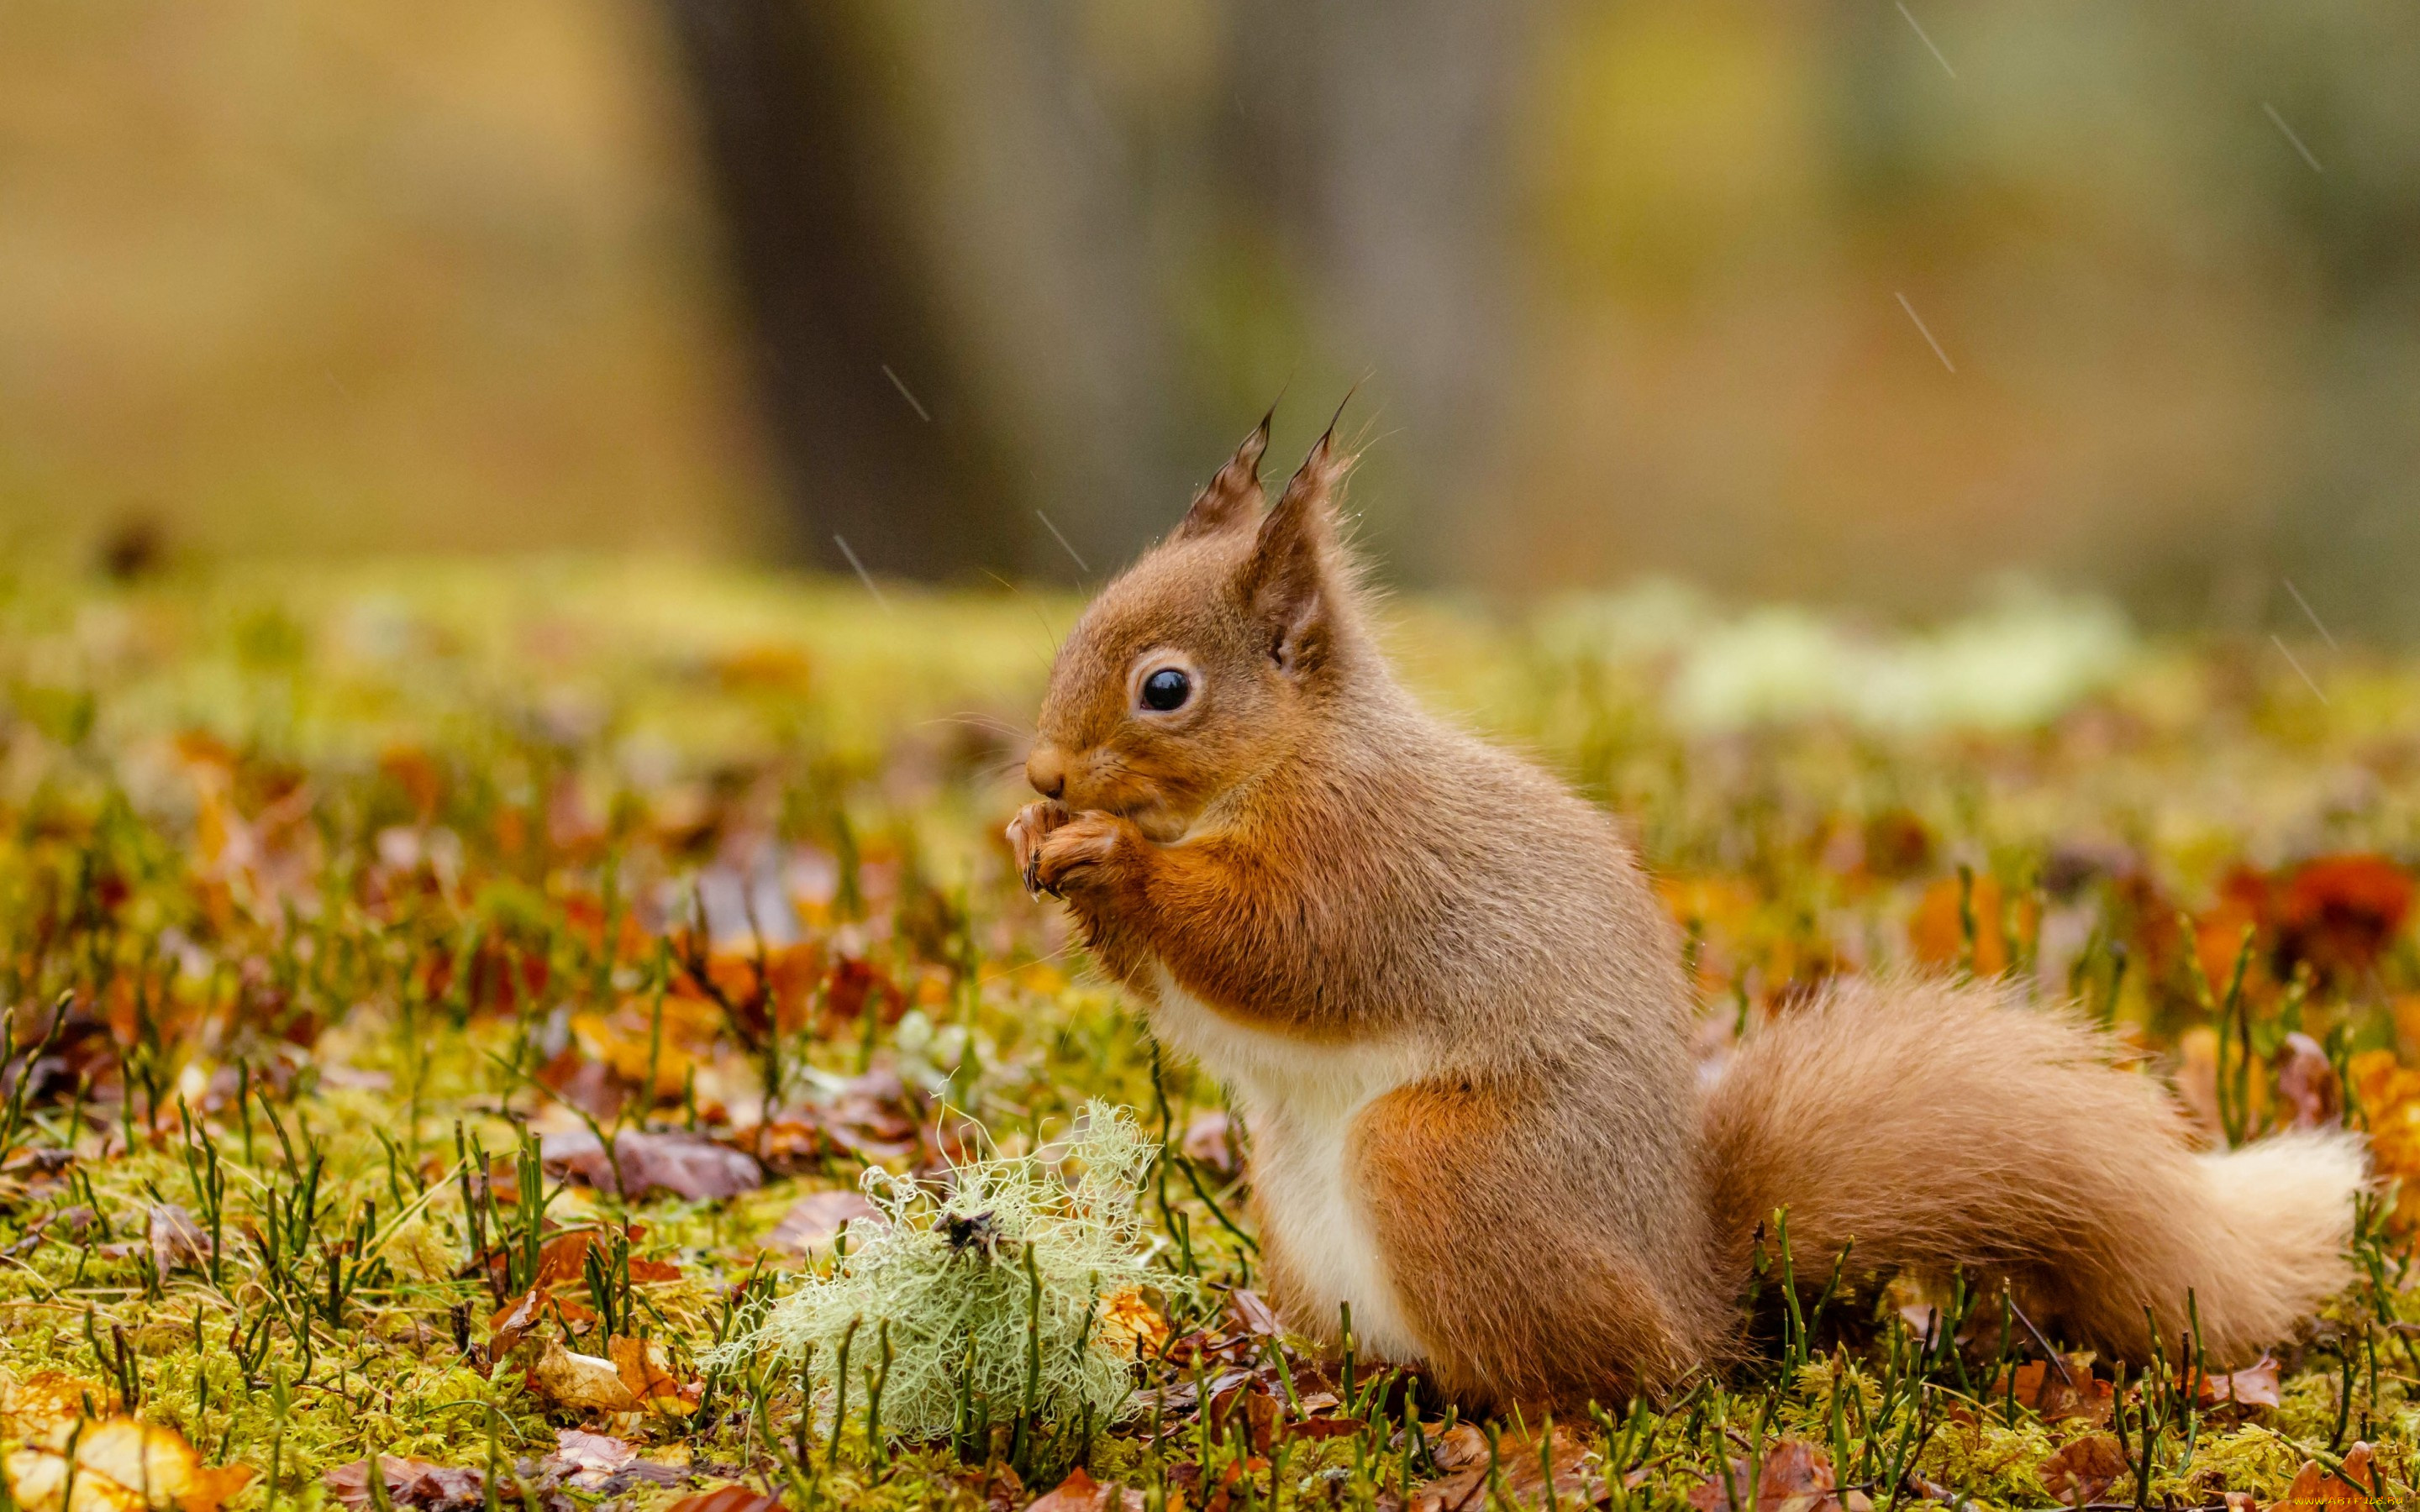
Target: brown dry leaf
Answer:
[[1252, 1314], [414, 1482], [645, 1369], [1081, 1493], [690, 1166], [565, 1257], [176, 1239], [2317, 1489], [2255, 1386], [582, 1382], [600, 1462], [122, 1466], [561, 1258], [589, 1086], [846, 990], [1520, 1467], [733, 1498], [1459, 1447], [2084, 1470], [1253, 1402], [814, 1221], [875, 1118], [598, 1455], [1793, 1475], [518, 1318], [2055, 1396], [999, 1487]]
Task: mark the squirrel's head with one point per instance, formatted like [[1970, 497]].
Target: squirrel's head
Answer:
[[1195, 667]]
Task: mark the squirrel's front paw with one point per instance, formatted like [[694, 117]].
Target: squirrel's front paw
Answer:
[[1080, 850], [1026, 832]]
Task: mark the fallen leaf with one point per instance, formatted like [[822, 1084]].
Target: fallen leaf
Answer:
[[518, 1317], [122, 1466], [1459, 1447], [1793, 1475], [1937, 930], [602, 1463], [1253, 1402], [582, 1382], [995, 1484], [1081, 1493], [2056, 1395], [565, 1257], [176, 1239], [42, 1408], [690, 1166], [2340, 912], [2084, 1470], [589, 1086], [415, 1483], [873, 1118], [1252, 1314], [561, 1258], [815, 1220], [1520, 1467], [2255, 1386], [733, 1498], [1129, 1321], [2317, 1490], [645, 1369]]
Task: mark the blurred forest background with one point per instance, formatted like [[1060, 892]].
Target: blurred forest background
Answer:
[[1857, 304]]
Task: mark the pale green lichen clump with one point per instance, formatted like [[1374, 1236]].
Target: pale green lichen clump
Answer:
[[993, 1289]]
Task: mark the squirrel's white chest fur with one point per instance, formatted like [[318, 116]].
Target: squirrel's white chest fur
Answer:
[[1299, 1101]]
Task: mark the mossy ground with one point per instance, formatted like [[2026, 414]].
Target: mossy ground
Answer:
[[400, 861]]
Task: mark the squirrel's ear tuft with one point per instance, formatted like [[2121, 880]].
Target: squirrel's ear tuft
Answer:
[[1233, 497], [1295, 583]]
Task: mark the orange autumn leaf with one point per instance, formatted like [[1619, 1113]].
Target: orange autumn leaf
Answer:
[[121, 1466], [2316, 1489], [2084, 1470], [645, 1369], [727, 1499], [1937, 931], [1794, 1475], [2339, 913], [1081, 1493], [2390, 1099]]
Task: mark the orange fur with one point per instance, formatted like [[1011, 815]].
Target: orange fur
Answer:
[[1451, 1011], [1943, 1127]]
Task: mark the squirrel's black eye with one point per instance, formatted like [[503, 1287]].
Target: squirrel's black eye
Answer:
[[1166, 689]]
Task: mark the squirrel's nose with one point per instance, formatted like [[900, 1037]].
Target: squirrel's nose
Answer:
[[1047, 770]]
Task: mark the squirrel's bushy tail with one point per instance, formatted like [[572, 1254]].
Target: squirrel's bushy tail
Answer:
[[1943, 1126]]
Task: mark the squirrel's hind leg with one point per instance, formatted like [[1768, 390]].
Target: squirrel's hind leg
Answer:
[[1517, 1296]]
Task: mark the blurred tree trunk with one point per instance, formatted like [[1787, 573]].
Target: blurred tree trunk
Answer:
[[879, 441], [1380, 131], [1094, 242]]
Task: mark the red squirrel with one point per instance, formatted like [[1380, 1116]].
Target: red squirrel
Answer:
[[1443, 993]]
